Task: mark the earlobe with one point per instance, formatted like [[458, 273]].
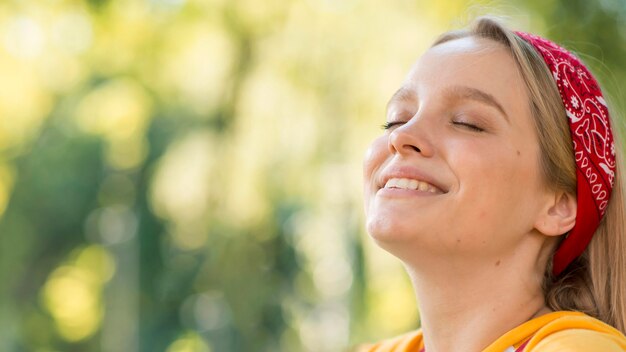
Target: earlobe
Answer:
[[559, 215]]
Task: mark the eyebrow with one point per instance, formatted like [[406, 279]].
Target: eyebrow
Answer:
[[406, 94], [463, 92]]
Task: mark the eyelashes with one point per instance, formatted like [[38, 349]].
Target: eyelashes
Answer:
[[468, 126], [389, 125], [461, 124]]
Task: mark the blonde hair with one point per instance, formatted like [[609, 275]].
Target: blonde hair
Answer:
[[595, 283]]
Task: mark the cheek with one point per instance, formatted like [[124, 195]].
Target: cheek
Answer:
[[500, 186], [375, 156], [498, 168]]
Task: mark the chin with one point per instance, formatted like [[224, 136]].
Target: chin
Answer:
[[400, 240], [387, 230], [409, 238]]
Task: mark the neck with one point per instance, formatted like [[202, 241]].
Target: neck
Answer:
[[467, 307]]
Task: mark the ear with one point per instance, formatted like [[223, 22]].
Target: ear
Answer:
[[558, 216]]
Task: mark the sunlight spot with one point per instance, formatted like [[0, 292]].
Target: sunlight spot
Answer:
[[24, 38], [181, 185], [72, 298], [190, 342]]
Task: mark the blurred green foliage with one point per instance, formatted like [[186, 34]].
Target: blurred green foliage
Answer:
[[184, 175]]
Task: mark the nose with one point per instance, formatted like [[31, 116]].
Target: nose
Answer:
[[410, 138]]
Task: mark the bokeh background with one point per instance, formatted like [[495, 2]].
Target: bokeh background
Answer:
[[185, 175]]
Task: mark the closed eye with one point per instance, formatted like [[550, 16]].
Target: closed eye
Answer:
[[389, 125], [468, 126]]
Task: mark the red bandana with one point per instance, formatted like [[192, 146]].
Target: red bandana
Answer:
[[592, 138]]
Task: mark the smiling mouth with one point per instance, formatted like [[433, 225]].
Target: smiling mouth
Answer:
[[412, 184]]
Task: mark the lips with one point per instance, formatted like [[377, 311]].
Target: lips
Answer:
[[403, 177], [412, 184]]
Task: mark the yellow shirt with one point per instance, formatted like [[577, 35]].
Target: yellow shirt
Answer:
[[557, 331]]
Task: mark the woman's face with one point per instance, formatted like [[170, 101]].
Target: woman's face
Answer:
[[457, 171]]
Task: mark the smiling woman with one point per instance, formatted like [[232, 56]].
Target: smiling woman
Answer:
[[492, 184]]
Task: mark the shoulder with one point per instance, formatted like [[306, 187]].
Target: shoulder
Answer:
[[407, 342], [580, 340], [577, 333]]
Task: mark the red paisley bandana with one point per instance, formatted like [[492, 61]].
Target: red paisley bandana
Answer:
[[592, 138]]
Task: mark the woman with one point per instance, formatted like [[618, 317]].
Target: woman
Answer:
[[497, 185]]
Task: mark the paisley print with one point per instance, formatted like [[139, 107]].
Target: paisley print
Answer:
[[592, 141]]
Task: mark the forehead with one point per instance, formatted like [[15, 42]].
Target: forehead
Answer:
[[471, 62]]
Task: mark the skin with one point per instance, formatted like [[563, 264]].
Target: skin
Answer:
[[476, 251]]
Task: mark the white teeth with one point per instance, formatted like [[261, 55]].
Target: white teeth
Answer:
[[407, 183]]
